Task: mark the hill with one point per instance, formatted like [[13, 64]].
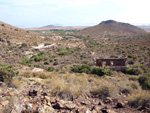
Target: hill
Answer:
[[111, 27], [14, 34]]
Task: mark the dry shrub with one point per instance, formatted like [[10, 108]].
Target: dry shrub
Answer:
[[139, 99], [67, 84], [103, 88], [128, 87], [16, 83]]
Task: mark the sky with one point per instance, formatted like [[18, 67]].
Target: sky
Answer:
[[38, 13]]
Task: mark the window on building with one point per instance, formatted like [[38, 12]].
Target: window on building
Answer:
[[111, 63], [104, 63]]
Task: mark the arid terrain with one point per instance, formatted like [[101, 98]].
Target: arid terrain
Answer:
[[52, 69]]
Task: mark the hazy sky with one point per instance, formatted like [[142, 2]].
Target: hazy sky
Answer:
[[37, 13]]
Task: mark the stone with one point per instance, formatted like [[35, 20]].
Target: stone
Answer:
[[49, 109], [93, 111], [32, 93], [53, 100], [108, 100], [47, 98], [110, 111], [82, 109], [70, 106], [1, 107], [13, 111], [97, 108], [59, 105], [120, 105]]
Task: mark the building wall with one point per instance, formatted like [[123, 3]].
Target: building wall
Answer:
[[110, 62]]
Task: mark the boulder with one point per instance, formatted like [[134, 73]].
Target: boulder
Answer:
[[70, 106]]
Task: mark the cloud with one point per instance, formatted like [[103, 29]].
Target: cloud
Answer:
[[135, 11]]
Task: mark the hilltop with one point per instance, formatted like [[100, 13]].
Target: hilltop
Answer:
[[111, 27]]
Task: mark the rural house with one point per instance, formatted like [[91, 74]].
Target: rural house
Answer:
[[116, 64]]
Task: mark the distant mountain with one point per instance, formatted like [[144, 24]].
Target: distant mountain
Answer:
[[111, 27], [48, 27], [51, 26], [145, 27]]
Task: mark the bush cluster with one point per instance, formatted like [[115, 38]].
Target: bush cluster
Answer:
[[101, 71], [132, 71], [81, 68], [6, 73], [87, 69], [50, 69]]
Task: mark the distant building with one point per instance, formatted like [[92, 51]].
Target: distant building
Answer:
[[116, 64]]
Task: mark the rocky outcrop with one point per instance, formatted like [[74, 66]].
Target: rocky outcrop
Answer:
[[35, 98]]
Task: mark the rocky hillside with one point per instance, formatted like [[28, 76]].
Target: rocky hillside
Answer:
[[55, 72], [111, 27], [14, 34]]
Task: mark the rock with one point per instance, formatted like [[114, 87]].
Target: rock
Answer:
[[86, 102], [82, 109], [59, 105], [1, 82], [1, 107], [120, 105], [97, 108], [108, 100], [53, 100], [32, 93], [4, 103], [47, 98], [49, 109], [13, 111], [110, 111], [70, 106], [93, 111], [104, 110], [98, 102]]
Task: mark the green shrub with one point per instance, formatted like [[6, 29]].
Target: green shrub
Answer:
[[24, 45], [144, 81], [97, 71], [16, 29], [3, 25], [26, 61], [62, 53], [113, 56], [132, 71], [6, 73], [55, 63], [130, 56], [101, 71], [131, 62], [81, 68], [50, 60], [46, 63], [37, 58], [50, 69]]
